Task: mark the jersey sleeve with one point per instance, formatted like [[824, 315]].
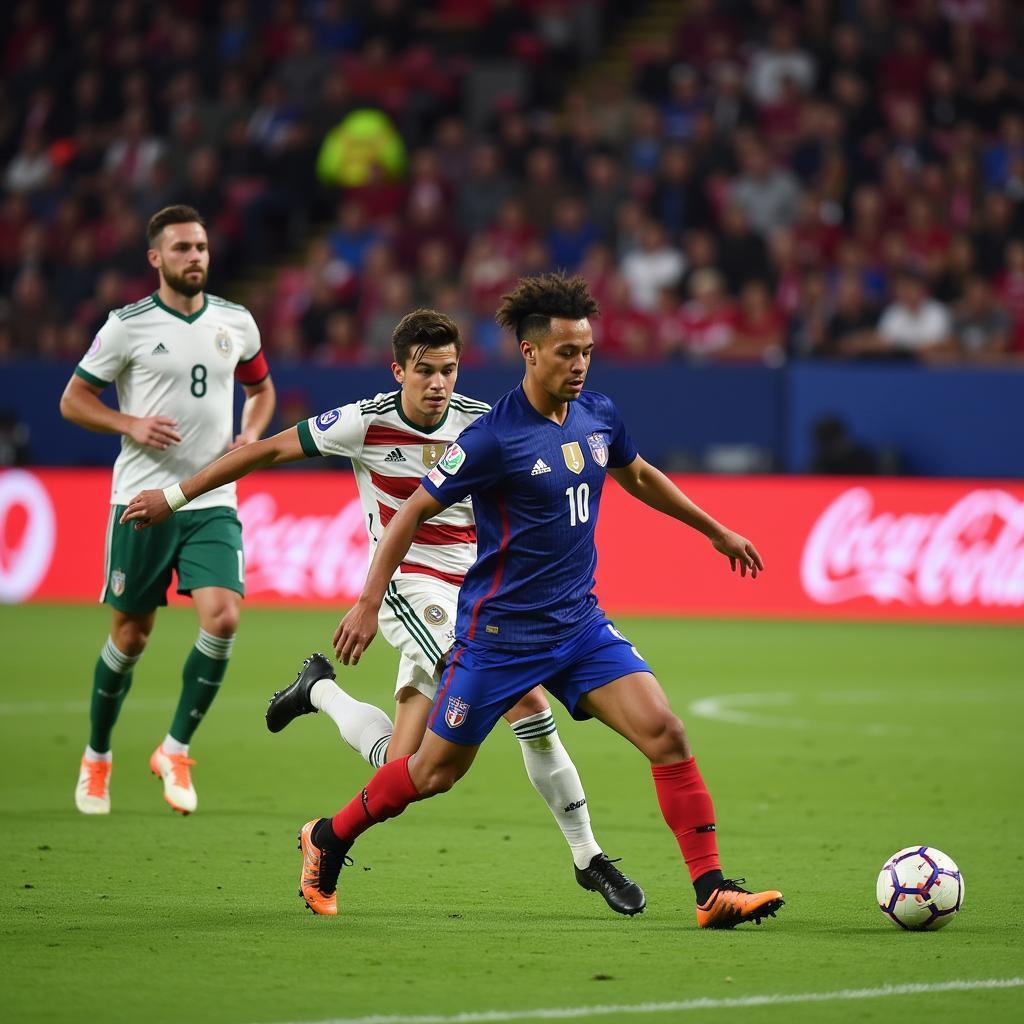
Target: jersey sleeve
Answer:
[[335, 432], [108, 354], [471, 464], [621, 449], [252, 365]]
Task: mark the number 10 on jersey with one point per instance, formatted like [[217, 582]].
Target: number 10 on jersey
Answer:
[[579, 503]]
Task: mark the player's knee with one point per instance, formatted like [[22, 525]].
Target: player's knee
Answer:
[[222, 621], [666, 741], [437, 779], [532, 704], [129, 638]]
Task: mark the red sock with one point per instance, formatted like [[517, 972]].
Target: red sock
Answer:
[[386, 795], [688, 811]]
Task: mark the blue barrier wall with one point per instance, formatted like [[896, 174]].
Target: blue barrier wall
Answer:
[[948, 422]]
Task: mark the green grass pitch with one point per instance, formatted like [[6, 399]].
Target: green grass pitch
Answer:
[[826, 747]]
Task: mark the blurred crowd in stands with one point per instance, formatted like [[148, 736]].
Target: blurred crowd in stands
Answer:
[[764, 180]]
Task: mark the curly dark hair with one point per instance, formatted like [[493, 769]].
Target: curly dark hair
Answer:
[[422, 329], [530, 307]]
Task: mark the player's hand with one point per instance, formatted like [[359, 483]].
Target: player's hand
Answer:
[[245, 437], [739, 551], [147, 508], [155, 431], [355, 633]]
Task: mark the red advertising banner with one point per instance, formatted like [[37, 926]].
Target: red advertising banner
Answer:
[[841, 548]]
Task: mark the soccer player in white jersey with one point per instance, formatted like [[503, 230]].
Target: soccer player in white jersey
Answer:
[[174, 357], [393, 439]]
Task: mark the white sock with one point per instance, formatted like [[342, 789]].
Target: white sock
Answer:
[[554, 776], [92, 755], [364, 727], [173, 746]]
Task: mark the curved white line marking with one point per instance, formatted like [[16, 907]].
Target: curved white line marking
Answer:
[[744, 709], [684, 1005]]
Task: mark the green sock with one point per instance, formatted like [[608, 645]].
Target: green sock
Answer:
[[111, 681], [203, 673]]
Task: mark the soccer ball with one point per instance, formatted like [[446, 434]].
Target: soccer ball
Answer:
[[920, 887]]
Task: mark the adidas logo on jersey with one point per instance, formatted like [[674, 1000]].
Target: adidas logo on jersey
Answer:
[[540, 466], [160, 350], [395, 455]]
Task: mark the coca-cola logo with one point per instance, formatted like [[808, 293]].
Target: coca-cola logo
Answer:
[[28, 533], [973, 552], [305, 556]]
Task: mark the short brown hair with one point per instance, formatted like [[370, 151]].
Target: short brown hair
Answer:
[[422, 329], [171, 215], [530, 307]]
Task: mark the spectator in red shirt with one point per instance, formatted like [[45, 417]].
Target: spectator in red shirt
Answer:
[[760, 327], [708, 321]]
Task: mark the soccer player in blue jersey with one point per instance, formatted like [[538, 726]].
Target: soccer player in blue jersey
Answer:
[[535, 468]]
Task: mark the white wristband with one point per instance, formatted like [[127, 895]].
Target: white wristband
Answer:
[[175, 497]]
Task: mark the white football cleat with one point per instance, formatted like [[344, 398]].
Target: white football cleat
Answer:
[[174, 770], [92, 794]]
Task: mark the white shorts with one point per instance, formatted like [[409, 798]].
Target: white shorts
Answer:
[[418, 619]]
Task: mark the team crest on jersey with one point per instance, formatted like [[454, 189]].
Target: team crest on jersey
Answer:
[[573, 456], [598, 449], [457, 711], [325, 419], [432, 453], [435, 615], [453, 459], [222, 342], [117, 581]]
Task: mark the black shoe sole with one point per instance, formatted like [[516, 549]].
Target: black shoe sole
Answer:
[[622, 910], [288, 704], [768, 910], [618, 910]]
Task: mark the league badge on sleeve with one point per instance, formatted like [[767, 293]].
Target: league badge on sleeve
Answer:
[[457, 711], [326, 419], [598, 448], [453, 459]]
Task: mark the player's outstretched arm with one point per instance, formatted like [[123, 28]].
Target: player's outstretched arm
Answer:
[[357, 629], [149, 508], [260, 400], [80, 404], [648, 484]]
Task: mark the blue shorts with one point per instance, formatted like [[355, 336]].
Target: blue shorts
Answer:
[[479, 684]]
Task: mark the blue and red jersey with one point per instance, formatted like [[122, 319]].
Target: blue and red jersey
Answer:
[[536, 489]]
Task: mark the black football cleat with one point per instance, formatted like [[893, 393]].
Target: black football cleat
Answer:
[[622, 894], [294, 700]]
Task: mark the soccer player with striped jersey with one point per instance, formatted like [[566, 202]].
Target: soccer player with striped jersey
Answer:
[[535, 467], [393, 440], [174, 357]]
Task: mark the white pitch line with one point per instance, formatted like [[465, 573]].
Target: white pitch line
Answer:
[[744, 709], [682, 1006]]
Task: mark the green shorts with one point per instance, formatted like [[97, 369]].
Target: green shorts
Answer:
[[204, 546]]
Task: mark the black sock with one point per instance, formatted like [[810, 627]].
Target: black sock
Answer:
[[706, 885], [325, 840]]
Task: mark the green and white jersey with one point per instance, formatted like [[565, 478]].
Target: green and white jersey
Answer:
[[167, 364]]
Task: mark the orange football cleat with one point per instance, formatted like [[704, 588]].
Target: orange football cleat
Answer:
[[318, 883], [730, 905], [173, 769], [92, 793]]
